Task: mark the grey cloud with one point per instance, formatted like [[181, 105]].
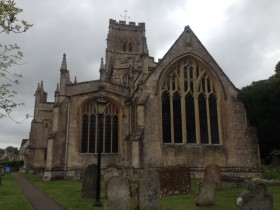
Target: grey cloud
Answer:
[[240, 45]]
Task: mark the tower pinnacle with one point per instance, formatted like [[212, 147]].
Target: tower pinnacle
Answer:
[[64, 63]]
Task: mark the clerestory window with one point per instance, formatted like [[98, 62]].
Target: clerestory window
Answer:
[[108, 124], [189, 104]]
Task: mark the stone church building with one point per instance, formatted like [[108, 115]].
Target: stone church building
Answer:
[[181, 110]]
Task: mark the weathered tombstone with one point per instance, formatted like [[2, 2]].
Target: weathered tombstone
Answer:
[[149, 190], [213, 172], [175, 180], [255, 197], [111, 171], [118, 194], [166, 178], [181, 180], [206, 194], [89, 182]]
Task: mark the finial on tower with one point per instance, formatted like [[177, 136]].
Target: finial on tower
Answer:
[[102, 66], [125, 15], [64, 63]]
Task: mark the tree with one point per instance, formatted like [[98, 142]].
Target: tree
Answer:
[[261, 100], [9, 55], [12, 150], [2, 152], [277, 67]]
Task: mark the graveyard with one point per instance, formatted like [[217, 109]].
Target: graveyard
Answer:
[[68, 194]]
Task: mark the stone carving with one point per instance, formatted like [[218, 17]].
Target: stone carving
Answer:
[[213, 172], [89, 182], [255, 197], [149, 190], [118, 194], [206, 194], [175, 180]]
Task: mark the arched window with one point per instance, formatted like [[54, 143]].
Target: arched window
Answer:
[[90, 127], [189, 101], [130, 47]]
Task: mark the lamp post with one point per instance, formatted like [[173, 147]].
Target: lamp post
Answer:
[[100, 107]]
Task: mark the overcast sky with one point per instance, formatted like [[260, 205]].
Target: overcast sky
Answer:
[[241, 35]]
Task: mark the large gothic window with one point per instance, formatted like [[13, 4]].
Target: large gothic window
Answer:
[[108, 124], [189, 104]]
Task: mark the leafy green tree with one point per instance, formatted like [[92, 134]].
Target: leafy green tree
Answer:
[[13, 150], [277, 67], [2, 151], [10, 55], [261, 100]]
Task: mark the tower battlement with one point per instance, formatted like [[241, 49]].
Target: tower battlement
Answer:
[[122, 25]]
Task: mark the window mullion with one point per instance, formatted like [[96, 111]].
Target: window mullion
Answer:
[[208, 120]]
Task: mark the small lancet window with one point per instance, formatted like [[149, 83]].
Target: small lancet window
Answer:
[[124, 46], [130, 47]]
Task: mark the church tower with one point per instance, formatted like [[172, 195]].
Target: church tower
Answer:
[[127, 53]]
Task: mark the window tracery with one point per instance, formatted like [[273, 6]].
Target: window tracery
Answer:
[[190, 111], [90, 127]]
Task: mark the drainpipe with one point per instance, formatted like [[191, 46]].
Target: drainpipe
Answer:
[[67, 135]]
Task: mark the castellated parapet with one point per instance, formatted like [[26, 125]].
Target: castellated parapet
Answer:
[[122, 25]]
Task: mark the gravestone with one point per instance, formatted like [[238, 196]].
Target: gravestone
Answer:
[[255, 197], [175, 180], [149, 190], [110, 171], [213, 172], [118, 194], [166, 181], [89, 181], [206, 193]]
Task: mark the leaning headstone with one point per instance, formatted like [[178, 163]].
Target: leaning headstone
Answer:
[[213, 172], [118, 194], [110, 171], [175, 180], [89, 181], [149, 190], [255, 197], [206, 194]]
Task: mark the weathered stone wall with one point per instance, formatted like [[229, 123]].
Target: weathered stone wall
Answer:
[[238, 147], [139, 107]]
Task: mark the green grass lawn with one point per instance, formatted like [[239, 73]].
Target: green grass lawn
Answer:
[[68, 194], [11, 197]]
